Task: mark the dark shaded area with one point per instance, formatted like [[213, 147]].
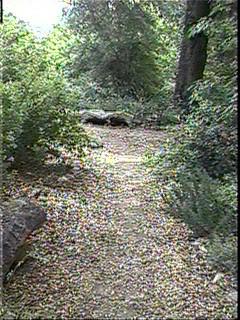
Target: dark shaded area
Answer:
[[97, 120], [117, 121], [193, 54], [112, 121]]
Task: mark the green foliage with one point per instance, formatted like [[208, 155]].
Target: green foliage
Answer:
[[37, 99], [122, 46], [94, 96], [208, 205], [202, 202], [212, 126], [196, 166], [126, 51], [223, 253], [213, 101]]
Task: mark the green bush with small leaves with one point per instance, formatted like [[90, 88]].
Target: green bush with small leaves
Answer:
[[38, 102]]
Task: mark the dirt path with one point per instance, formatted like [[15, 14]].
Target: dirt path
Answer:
[[117, 255]]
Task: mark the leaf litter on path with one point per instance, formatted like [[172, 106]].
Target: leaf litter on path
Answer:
[[108, 250]]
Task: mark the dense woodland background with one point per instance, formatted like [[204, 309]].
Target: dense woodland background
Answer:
[[171, 65]]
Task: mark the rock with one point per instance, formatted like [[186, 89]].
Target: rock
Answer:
[[19, 219], [102, 117], [119, 119], [93, 116]]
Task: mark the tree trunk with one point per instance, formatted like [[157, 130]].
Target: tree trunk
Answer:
[[193, 53]]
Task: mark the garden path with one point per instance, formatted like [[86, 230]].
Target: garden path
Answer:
[[110, 251]]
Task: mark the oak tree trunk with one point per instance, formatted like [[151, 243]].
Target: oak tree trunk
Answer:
[[193, 53]]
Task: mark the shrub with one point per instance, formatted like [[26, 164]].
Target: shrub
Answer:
[[205, 204], [222, 253], [212, 126], [37, 99]]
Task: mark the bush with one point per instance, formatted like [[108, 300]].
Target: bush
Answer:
[[37, 100], [206, 204], [222, 253], [212, 122], [212, 126], [202, 202]]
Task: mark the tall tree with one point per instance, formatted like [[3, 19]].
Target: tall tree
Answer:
[[118, 44], [193, 53]]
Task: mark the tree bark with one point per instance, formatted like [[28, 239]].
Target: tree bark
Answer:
[[193, 53]]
